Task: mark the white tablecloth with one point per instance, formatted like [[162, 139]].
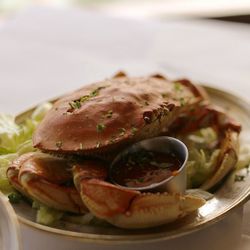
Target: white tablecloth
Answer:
[[47, 52]]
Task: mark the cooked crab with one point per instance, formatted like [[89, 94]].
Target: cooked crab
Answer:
[[97, 122]]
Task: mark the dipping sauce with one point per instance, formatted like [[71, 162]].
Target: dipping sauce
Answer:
[[141, 169]]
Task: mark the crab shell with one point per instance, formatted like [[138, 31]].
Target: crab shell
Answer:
[[105, 117], [113, 113]]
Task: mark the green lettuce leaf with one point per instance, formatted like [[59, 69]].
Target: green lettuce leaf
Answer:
[[5, 160], [46, 215], [203, 155], [16, 140]]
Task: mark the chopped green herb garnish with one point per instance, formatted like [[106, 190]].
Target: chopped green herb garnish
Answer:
[[100, 127], [96, 91], [164, 165], [239, 178], [108, 114], [133, 130], [140, 179], [75, 104], [112, 140], [59, 144], [84, 98], [139, 158], [15, 197], [164, 95], [177, 86], [182, 101], [122, 131]]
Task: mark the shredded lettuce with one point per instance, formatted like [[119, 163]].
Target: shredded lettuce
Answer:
[[41, 111], [200, 166], [15, 140], [244, 157], [5, 160], [46, 215], [205, 137], [203, 155], [12, 135], [85, 219], [25, 147], [9, 130]]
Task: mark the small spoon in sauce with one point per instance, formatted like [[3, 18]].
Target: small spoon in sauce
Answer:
[[156, 164]]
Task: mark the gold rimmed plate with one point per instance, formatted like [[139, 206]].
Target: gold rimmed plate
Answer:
[[229, 196]]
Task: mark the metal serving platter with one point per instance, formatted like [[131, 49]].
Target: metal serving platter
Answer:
[[231, 195]]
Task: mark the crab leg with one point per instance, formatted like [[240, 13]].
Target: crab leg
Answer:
[[149, 210], [127, 208], [43, 178], [228, 132], [13, 171], [227, 159], [102, 198]]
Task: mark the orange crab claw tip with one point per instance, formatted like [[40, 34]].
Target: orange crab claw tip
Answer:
[[105, 199]]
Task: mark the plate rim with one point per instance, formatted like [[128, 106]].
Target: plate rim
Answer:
[[13, 225]]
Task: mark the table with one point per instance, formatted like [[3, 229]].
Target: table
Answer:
[[45, 52]]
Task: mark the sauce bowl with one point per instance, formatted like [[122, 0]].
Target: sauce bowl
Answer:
[[176, 183]]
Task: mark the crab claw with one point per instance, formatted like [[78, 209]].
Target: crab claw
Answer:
[[227, 130], [43, 178], [227, 159], [13, 171], [149, 210], [102, 198], [128, 208]]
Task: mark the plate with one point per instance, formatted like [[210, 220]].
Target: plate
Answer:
[[9, 229], [231, 195]]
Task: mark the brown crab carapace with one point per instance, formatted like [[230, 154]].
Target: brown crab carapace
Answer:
[[98, 121]]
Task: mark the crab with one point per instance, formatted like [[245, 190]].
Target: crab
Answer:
[[83, 132]]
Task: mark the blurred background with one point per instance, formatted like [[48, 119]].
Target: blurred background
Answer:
[[228, 10], [53, 46]]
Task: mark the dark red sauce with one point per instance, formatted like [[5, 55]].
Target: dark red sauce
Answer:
[[144, 168]]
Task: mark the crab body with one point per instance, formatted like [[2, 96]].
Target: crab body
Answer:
[[112, 114], [98, 121]]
